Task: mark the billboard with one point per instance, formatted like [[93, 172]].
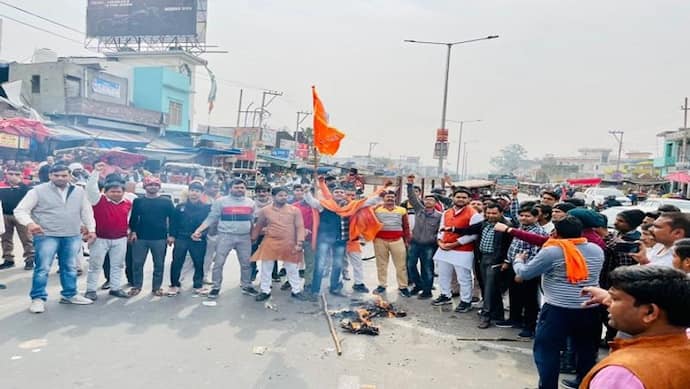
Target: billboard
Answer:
[[119, 18]]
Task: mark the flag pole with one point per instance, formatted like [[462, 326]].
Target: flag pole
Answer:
[[316, 166]]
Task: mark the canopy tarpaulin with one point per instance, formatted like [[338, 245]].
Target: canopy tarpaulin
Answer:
[[24, 127], [584, 181], [119, 158], [681, 177]]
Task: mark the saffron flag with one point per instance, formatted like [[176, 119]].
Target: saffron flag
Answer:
[[326, 138]]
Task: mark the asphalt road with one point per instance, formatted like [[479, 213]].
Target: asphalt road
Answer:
[[162, 342]]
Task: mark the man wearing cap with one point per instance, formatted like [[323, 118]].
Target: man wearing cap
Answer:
[[12, 191], [186, 218], [54, 213], [111, 212], [149, 223]]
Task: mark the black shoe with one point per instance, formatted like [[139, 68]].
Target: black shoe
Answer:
[[299, 296], [463, 307], [7, 265], [404, 292], [570, 384], [106, 285], [475, 299], [275, 278], [262, 296], [507, 324], [455, 294], [282, 272], [379, 290], [119, 293], [415, 290], [425, 296], [213, 294], [250, 291], [29, 265], [285, 286], [91, 295], [442, 300], [484, 323], [527, 333], [360, 288], [301, 274]]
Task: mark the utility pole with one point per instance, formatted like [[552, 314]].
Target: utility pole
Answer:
[[239, 108], [619, 137], [301, 116], [265, 104], [683, 151]]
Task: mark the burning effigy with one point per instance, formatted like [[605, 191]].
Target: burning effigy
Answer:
[[358, 320]]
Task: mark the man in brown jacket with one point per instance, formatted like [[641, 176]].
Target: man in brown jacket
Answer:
[[651, 303]]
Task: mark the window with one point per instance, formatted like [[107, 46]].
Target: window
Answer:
[[175, 114], [35, 83], [72, 86]]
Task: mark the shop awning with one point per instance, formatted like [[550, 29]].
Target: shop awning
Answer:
[[216, 138], [66, 134], [110, 139], [212, 150], [681, 177], [24, 127]]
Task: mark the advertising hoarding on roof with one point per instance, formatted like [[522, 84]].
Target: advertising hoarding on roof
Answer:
[[120, 18]]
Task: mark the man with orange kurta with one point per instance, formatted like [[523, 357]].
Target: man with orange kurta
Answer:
[[283, 230]]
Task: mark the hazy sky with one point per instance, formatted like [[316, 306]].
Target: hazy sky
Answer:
[[562, 74]]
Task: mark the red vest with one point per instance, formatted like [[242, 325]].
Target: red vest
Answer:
[[461, 220], [111, 218]]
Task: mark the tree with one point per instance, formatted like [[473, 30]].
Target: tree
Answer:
[[511, 159]]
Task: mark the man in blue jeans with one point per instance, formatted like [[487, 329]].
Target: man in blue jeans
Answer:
[[423, 241], [54, 213], [567, 263]]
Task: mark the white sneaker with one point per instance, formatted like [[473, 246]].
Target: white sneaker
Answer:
[[37, 306], [76, 300]]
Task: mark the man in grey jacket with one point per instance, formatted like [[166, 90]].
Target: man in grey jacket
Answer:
[[54, 213], [423, 241]]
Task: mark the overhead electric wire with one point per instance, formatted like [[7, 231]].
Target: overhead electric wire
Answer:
[[40, 17], [41, 29]]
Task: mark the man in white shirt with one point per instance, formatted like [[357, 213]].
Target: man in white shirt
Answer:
[[667, 228]]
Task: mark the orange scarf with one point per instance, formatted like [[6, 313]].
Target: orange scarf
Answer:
[[575, 264]]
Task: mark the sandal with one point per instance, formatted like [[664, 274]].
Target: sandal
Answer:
[[133, 292], [173, 291], [201, 291], [158, 292]]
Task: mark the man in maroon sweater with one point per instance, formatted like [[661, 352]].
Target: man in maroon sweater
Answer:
[[111, 212]]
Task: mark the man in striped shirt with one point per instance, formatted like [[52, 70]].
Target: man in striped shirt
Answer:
[[391, 242], [563, 314]]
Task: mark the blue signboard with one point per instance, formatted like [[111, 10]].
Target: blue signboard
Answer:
[[280, 153]]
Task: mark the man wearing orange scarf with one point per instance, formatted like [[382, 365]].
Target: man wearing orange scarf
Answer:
[[339, 225], [567, 263]]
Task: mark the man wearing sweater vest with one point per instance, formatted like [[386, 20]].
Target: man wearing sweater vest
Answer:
[[111, 212], [391, 241], [652, 304], [567, 263], [456, 252], [234, 215], [54, 213]]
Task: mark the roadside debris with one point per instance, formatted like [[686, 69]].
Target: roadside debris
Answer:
[[359, 320]]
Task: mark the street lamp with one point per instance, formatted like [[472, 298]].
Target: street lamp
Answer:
[[449, 46], [464, 159], [457, 162]]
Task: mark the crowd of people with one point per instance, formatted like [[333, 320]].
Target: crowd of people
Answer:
[[554, 258]]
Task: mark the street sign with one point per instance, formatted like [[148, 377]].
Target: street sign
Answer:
[[441, 150], [442, 135]]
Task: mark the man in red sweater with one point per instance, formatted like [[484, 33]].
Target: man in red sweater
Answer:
[[111, 212]]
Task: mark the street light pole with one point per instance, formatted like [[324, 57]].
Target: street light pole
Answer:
[[449, 46]]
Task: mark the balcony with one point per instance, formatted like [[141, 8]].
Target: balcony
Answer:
[[663, 162], [677, 135]]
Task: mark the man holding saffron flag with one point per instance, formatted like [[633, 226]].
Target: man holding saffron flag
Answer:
[[568, 263]]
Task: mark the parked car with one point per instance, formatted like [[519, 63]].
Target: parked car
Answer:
[[645, 206], [595, 197]]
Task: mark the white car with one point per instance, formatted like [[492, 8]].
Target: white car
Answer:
[[595, 197]]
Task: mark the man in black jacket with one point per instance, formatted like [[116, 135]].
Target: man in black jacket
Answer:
[[491, 252], [187, 217], [12, 191]]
